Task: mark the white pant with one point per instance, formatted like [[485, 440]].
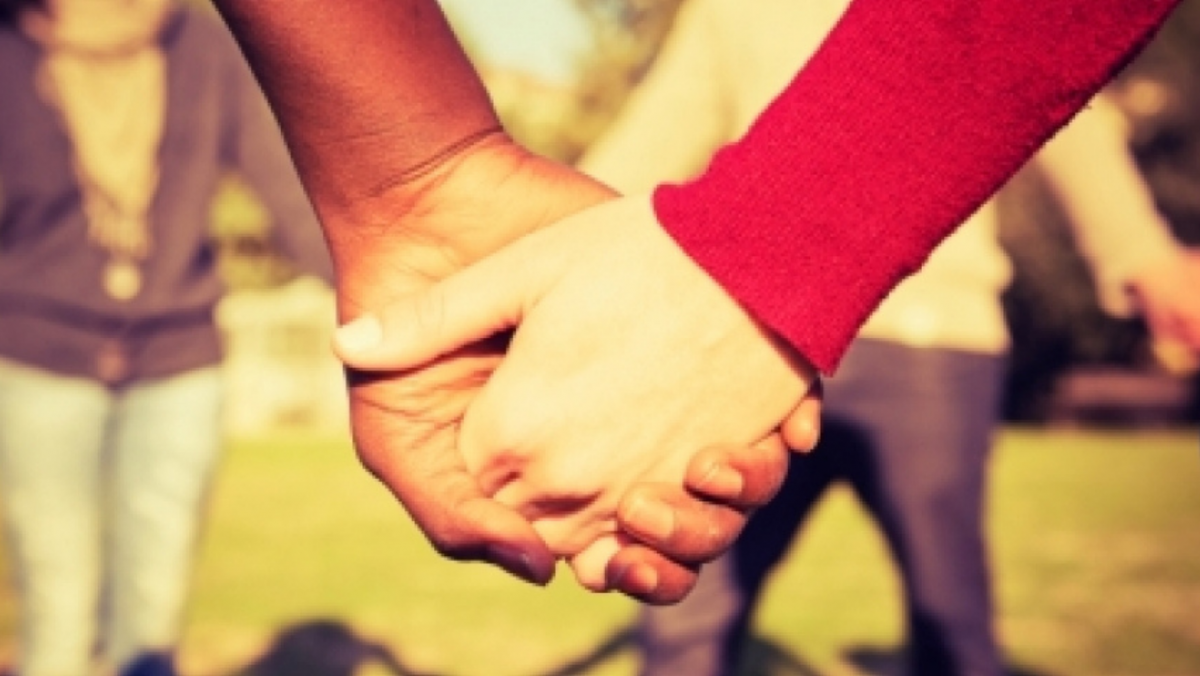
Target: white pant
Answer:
[[103, 492]]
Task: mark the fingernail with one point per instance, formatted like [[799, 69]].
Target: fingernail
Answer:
[[723, 481], [361, 334], [651, 518], [636, 579], [513, 560], [814, 438], [800, 440]]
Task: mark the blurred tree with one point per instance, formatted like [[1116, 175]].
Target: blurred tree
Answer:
[[1161, 93], [625, 36], [247, 257], [1055, 321], [555, 120]]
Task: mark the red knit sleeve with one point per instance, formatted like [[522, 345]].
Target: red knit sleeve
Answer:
[[908, 118]]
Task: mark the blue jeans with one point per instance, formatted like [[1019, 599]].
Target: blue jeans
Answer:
[[909, 429], [103, 492]]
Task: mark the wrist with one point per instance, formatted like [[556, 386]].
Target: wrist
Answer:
[[378, 191], [461, 205]]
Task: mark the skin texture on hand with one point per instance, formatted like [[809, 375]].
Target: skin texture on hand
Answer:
[[626, 359]]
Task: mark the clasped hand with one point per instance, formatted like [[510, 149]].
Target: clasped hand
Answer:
[[579, 438]]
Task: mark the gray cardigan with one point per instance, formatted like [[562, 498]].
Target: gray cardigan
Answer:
[[54, 313]]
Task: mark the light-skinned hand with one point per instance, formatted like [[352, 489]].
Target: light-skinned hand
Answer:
[[626, 358], [406, 424]]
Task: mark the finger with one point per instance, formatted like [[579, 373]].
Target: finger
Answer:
[[802, 429], [742, 477], [727, 483], [1159, 321], [1181, 326], [677, 524], [470, 306], [1191, 334], [648, 576], [423, 469], [591, 564], [567, 521], [616, 563]]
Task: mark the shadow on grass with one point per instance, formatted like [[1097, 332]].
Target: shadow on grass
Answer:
[[324, 648], [762, 657], [331, 648], [621, 640], [886, 661]]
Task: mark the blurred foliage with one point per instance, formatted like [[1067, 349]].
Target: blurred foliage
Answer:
[[555, 121], [240, 229], [246, 254], [625, 36]]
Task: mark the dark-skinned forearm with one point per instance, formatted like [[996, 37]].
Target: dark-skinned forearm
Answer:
[[367, 91]]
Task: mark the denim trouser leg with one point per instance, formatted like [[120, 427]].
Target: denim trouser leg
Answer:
[[704, 634], [910, 430], [166, 442], [112, 513], [52, 433], [926, 418]]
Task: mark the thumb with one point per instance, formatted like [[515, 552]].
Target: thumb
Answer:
[[465, 308], [802, 429]]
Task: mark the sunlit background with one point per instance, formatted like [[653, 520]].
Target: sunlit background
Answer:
[[559, 70], [1094, 513]]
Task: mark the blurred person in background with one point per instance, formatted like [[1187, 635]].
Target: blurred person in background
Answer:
[[909, 416], [120, 119]]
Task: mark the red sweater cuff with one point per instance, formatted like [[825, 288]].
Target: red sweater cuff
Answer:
[[906, 120]]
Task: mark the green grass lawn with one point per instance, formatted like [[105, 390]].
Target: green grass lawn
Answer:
[[309, 568]]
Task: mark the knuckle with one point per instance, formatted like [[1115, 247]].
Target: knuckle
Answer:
[[568, 536], [759, 495], [563, 479], [715, 538], [455, 529], [504, 429]]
